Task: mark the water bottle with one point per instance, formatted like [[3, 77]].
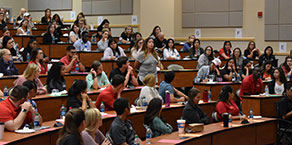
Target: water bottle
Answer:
[[5, 92], [230, 120], [288, 77], [27, 57], [167, 99], [148, 135], [209, 96], [77, 67], [238, 78], [251, 116], [36, 122], [53, 39], [62, 112], [136, 141], [144, 103], [233, 77], [28, 32], [14, 23], [266, 90], [102, 107]]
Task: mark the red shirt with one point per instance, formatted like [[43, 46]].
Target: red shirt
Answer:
[[43, 68], [224, 107], [10, 112], [67, 61], [250, 86], [221, 51], [107, 96]]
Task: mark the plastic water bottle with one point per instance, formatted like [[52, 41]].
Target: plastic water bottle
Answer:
[[148, 135], [136, 141], [5, 92], [230, 120], [36, 122], [233, 77], [251, 116], [101, 107], [77, 67], [266, 90], [14, 23], [209, 96], [28, 57], [288, 77], [28, 32], [167, 99], [62, 112], [238, 78], [144, 103]]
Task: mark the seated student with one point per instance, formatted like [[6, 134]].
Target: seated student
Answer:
[[160, 42], [156, 30], [154, 120], [32, 91], [246, 69], [196, 50], [1, 95], [6, 64], [29, 19], [166, 86], [91, 135], [97, 78], [102, 44], [5, 32], [78, 17], [278, 84], [51, 36], [225, 52], [226, 104], [121, 130], [207, 70], [251, 52], [104, 24], [8, 44], [16, 111], [285, 106], [83, 44], [252, 85], [47, 18], [37, 57], [192, 112], [20, 16], [126, 36], [55, 79], [124, 69], [266, 71], [74, 34], [170, 53], [137, 49], [237, 57], [58, 20], [189, 44], [32, 72], [111, 93], [24, 29], [287, 66], [148, 91], [70, 134], [71, 61], [83, 25], [136, 36], [206, 57], [2, 21], [77, 96], [229, 72], [268, 56], [113, 51], [32, 44]]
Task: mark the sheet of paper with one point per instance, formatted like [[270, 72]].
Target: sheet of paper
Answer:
[[134, 20], [197, 33], [282, 47], [72, 15], [238, 33], [169, 141]]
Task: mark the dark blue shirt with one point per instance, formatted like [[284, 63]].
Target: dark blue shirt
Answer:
[[121, 131], [7, 68]]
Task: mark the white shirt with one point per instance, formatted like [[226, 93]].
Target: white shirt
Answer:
[[81, 46], [108, 53], [102, 45], [279, 89], [170, 53], [149, 93], [135, 53], [73, 34]]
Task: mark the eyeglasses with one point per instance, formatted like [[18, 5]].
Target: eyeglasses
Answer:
[[73, 52]]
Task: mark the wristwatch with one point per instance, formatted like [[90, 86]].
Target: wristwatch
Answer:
[[23, 110]]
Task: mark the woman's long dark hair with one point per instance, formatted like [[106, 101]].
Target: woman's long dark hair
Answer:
[[34, 54], [59, 22], [73, 120], [117, 49], [282, 75], [263, 69], [226, 65], [225, 51], [153, 31], [224, 93], [152, 111], [244, 63], [103, 22], [267, 49], [5, 41], [55, 72], [167, 46], [77, 88], [211, 57]]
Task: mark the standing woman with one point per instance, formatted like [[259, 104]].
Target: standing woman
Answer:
[[189, 44], [32, 44], [137, 49], [196, 50], [70, 134], [237, 57], [55, 79], [251, 52], [267, 71], [113, 51], [225, 52], [24, 29], [147, 62], [92, 135], [206, 58], [287, 66], [32, 72], [51, 36], [170, 53], [37, 56], [278, 84], [154, 120], [47, 18], [268, 56], [77, 96], [229, 70], [74, 33], [126, 36]]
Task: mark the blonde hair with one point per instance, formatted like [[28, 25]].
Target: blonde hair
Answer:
[[3, 52], [150, 80], [30, 70], [91, 116]]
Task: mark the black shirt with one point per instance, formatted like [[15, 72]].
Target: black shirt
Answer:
[[44, 20], [192, 113], [285, 107], [125, 37], [3, 25], [223, 72], [56, 84], [247, 52], [47, 38], [117, 71], [121, 132], [160, 44], [73, 102], [70, 140], [8, 68], [263, 58]]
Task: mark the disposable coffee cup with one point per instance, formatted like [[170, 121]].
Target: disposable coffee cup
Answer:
[[181, 126], [1, 130], [225, 119]]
